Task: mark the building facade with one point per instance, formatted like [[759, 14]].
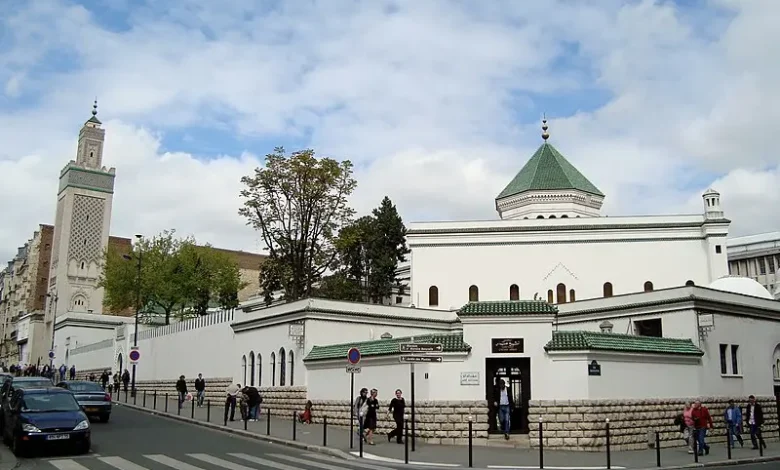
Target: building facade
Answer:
[[757, 257]]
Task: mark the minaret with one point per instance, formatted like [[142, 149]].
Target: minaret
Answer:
[[712, 209], [81, 227]]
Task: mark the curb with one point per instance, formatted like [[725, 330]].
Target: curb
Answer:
[[240, 432], [720, 463]]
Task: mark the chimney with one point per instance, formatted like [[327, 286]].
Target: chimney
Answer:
[[606, 327]]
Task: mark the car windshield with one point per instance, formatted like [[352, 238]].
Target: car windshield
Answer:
[[85, 387], [37, 383], [43, 402]]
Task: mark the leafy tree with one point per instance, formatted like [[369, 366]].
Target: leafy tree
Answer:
[[298, 202]]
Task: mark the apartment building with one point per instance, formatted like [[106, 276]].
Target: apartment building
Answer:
[[757, 257]]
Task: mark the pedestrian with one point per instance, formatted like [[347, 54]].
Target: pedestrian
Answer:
[[755, 419], [72, 372], [359, 410], [230, 401], [396, 409], [104, 379], [502, 400], [63, 370], [733, 417], [371, 418], [126, 379], [181, 388], [702, 421], [200, 389], [116, 383]]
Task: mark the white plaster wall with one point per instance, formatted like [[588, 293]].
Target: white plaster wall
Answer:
[[332, 382], [678, 324], [99, 358], [79, 336], [264, 341], [640, 377]]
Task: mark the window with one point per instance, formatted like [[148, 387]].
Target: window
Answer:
[[560, 293], [514, 292], [689, 283], [761, 266], [648, 286], [735, 359], [607, 289], [723, 364], [473, 294], [550, 296], [572, 297], [652, 327], [251, 368], [540, 217], [273, 369], [49, 402], [243, 368], [718, 249], [771, 262], [551, 217], [282, 367], [433, 296], [564, 216], [82, 265], [292, 368], [399, 300], [259, 370]]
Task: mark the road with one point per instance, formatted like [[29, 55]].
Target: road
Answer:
[[135, 440]]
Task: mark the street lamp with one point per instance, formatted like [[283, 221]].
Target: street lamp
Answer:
[[137, 306], [52, 302]]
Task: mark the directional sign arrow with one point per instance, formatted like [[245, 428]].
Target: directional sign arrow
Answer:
[[421, 347], [416, 359]]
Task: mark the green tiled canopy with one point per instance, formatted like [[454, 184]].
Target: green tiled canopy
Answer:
[[387, 347], [596, 341], [507, 307], [548, 170]]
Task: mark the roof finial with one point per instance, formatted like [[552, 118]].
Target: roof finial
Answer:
[[545, 134], [94, 108]]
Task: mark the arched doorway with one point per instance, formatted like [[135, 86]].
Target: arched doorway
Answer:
[[120, 363], [776, 370]]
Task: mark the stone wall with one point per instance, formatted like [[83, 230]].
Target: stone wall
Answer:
[[581, 425], [215, 387]]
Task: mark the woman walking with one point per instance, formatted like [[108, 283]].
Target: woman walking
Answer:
[[371, 416], [360, 409]]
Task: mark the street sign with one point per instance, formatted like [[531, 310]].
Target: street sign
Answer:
[[353, 356], [421, 347], [416, 359], [51, 354], [135, 355], [353, 369]]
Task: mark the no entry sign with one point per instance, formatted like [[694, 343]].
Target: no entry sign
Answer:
[[135, 355], [353, 356]]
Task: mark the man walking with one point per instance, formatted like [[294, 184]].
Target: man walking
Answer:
[[200, 389], [397, 407], [230, 401], [702, 421], [181, 387], [755, 419], [502, 400]]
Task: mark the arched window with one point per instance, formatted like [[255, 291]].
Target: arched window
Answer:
[[259, 370], [292, 367], [251, 369], [689, 283], [282, 367], [514, 292], [607, 289], [560, 293], [473, 294], [243, 368], [433, 296], [572, 297], [273, 369], [551, 217], [540, 217], [648, 286], [550, 296], [564, 216]]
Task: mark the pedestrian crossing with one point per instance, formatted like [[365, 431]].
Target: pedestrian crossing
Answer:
[[199, 461]]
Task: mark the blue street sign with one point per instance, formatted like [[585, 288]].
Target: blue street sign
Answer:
[[353, 356]]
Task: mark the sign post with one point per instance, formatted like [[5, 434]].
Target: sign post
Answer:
[[353, 358], [421, 350], [135, 355]]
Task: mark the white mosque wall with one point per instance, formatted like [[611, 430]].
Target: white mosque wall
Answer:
[[97, 355], [674, 324]]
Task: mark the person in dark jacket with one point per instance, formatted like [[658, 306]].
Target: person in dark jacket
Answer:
[[397, 408], [200, 389], [253, 402], [181, 387], [754, 414], [126, 379], [702, 421], [502, 400]]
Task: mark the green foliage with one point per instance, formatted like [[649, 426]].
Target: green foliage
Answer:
[[298, 203], [369, 251], [177, 277]]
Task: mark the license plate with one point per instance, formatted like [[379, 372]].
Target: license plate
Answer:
[[90, 410], [57, 437]]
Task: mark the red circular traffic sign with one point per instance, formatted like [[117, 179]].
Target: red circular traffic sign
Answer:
[[135, 355], [353, 355]]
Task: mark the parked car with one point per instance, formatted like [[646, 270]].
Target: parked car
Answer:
[[94, 401], [36, 418], [17, 383]]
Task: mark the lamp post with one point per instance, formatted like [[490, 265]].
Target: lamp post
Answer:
[[53, 309], [139, 256]]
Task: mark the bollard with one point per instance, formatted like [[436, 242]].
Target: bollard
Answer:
[[361, 438], [658, 449], [609, 450], [295, 423], [144, 400], [729, 438], [760, 442], [179, 404], [541, 443], [246, 420], [406, 440], [192, 411], [268, 423], [125, 395], [208, 411], [135, 396], [154, 401], [695, 437], [471, 444], [166, 402], [324, 431]]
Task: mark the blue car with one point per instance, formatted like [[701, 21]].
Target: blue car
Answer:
[[46, 417]]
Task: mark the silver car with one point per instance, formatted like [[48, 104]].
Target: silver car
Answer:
[[94, 401]]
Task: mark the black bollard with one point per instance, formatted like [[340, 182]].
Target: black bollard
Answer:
[[208, 411], [154, 401], [471, 444], [135, 396], [192, 411], [268, 422], [324, 431], [144, 400], [695, 437], [406, 441], [166, 402], [360, 428], [760, 442], [729, 438], [609, 450], [179, 404], [295, 423], [658, 448], [541, 443], [246, 420], [125, 395]]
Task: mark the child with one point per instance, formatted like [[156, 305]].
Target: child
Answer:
[[243, 406], [305, 416]]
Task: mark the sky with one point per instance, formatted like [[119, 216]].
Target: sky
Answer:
[[437, 103]]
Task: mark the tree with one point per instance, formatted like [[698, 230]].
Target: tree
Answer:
[[177, 277], [298, 203], [369, 251]]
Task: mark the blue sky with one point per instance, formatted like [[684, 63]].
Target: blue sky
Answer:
[[437, 103]]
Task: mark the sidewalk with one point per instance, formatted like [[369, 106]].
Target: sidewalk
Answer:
[[454, 456]]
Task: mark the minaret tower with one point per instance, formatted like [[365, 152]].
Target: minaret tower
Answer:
[[81, 227]]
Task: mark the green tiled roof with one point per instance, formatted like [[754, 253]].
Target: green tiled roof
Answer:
[[548, 170], [386, 347], [507, 307], [596, 341]]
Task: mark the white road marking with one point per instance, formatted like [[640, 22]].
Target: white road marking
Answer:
[[389, 460], [355, 463], [513, 467], [219, 462], [173, 463], [67, 464], [339, 466], [265, 462], [121, 464]]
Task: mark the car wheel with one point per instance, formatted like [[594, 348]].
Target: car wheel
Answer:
[[104, 418], [17, 447]]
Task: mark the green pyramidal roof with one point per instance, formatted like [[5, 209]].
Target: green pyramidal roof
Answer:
[[548, 170]]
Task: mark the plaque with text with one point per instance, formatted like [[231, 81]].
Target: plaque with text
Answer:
[[507, 345], [594, 369]]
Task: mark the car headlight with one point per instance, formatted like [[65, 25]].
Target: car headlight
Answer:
[[29, 428], [82, 425]]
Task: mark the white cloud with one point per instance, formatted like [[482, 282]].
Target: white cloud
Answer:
[[436, 102]]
